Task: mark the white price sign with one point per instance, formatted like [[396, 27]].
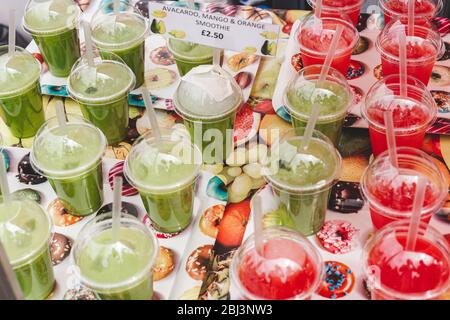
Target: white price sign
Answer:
[[213, 29]]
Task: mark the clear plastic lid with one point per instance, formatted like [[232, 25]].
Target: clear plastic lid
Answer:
[[67, 151], [207, 92], [25, 229], [17, 72], [108, 80], [189, 50], [47, 17], [118, 30]]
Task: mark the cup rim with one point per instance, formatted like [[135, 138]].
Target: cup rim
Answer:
[[122, 45], [403, 226], [17, 92], [411, 154], [149, 138], [393, 13], [333, 74], [52, 32], [288, 234], [72, 173], [129, 222], [312, 3]]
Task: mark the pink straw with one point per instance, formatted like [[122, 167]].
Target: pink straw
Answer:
[[413, 229], [390, 135], [403, 65], [411, 13], [318, 9]]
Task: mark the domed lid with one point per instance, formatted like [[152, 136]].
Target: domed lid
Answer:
[[17, 71], [24, 230], [207, 92]]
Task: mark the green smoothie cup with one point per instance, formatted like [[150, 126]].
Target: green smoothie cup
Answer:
[[20, 92], [189, 55], [53, 26], [116, 270], [302, 178], [165, 172], [123, 34], [70, 156], [208, 99], [102, 93], [25, 233], [334, 97]]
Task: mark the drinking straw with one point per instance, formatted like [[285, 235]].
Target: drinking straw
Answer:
[[116, 207], [413, 229], [88, 44], [390, 136], [191, 4], [116, 6], [151, 113], [216, 56], [411, 13], [318, 8], [60, 114], [3, 179], [403, 65], [12, 32], [323, 74], [258, 225]]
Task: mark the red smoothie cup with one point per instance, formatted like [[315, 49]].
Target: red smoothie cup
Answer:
[[424, 11], [423, 49], [315, 37], [412, 115], [292, 268], [393, 273], [334, 8], [390, 192]]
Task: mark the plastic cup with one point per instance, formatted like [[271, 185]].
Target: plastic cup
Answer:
[[334, 8], [413, 115], [315, 37], [122, 34], [392, 273], [53, 26], [424, 11], [70, 156], [390, 193], [103, 94], [165, 172], [20, 92], [423, 49], [302, 179], [292, 268], [125, 271], [208, 99], [334, 97], [189, 55], [25, 233]]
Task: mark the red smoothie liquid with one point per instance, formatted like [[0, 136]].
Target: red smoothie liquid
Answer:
[[424, 9], [332, 8], [407, 116], [417, 48], [286, 272], [399, 196], [408, 272], [316, 43]]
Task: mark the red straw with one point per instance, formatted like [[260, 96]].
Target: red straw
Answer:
[[413, 229]]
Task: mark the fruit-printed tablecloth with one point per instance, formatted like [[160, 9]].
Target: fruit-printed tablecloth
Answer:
[[222, 213]]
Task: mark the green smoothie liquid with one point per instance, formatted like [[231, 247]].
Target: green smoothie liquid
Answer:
[[53, 27], [25, 234], [20, 94], [189, 55], [123, 35], [302, 182], [333, 100], [106, 265], [166, 181], [103, 96], [70, 157]]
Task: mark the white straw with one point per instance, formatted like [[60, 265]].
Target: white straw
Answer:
[[191, 4], [331, 54], [414, 224], [116, 207], [12, 32], [4, 179], [258, 225], [390, 136], [318, 8], [88, 44], [151, 113], [403, 65], [310, 126], [116, 6], [60, 113], [217, 53]]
